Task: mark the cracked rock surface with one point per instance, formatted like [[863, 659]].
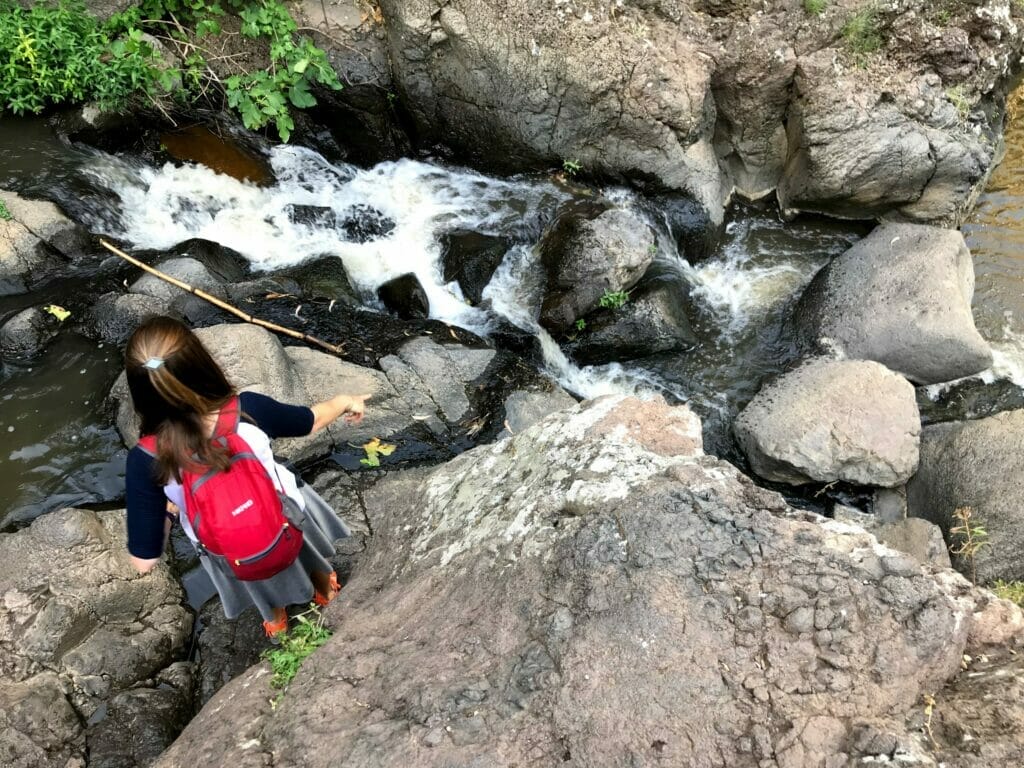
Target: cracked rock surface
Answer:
[[595, 591], [77, 627]]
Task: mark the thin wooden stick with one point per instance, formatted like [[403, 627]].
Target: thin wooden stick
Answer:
[[336, 349]]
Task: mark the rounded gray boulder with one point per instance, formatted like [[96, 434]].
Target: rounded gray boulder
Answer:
[[849, 420], [901, 296], [977, 465]]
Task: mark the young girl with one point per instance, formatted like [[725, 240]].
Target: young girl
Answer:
[[178, 391]]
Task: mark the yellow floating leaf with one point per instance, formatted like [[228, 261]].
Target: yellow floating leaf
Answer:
[[59, 312]]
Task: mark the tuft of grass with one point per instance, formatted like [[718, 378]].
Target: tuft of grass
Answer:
[[613, 299], [958, 98], [5, 214], [571, 167], [861, 32], [969, 538], [581, 325], [815, 7], [295, 645], [1010, 590]]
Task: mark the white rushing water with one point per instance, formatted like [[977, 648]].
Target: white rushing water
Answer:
[[164, 206]]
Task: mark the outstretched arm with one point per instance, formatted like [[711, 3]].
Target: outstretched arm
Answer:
[[352, 407]]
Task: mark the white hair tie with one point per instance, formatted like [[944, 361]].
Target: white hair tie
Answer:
[[153, 363]]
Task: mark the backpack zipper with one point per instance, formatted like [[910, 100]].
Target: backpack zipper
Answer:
[[260, 555]]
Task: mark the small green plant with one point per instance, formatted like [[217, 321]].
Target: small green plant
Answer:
[[1010, 590], [861, 32], [815, 7], [5, 214], [581, 325], [613, 299], [958, 98], [942, 16], [296, 644], [969, 538], [571, 167]]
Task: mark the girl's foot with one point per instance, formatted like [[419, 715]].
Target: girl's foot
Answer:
[[333, 588], [279, 625]]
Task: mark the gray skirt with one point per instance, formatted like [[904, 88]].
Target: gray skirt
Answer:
[[321, 528]]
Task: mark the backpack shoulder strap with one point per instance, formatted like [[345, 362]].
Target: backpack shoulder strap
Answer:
[[147, 443], [228, 418]]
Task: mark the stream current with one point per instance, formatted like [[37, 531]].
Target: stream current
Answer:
[[56, 445]]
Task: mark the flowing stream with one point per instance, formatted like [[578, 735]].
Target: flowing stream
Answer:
[[55, 447]]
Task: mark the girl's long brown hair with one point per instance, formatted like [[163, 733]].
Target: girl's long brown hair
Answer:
[[173, 398]]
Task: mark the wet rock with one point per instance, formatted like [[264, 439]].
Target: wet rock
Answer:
[[47, 223], [227, 648], [828, 420], [263, 286], [38, 726], [25, 259], [404, 295], [325, 277], [363, 224], [553, 608], [653, 321], [688, 223], [224, 263], [901, 296], [27, 333], [433, 378], [587, 252], [188, 270], [977, 465], [115, 316], [470, 258], [73, 603], [315, 216], [140, 723], [523, 408]]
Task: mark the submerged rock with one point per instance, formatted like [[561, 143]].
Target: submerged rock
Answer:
[[594, 590], [901, 296], [588, 251], [471, 259], [652, 322], [979, 466], [829, 420], [404, 295]]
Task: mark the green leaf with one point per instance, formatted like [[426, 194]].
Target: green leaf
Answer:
[[300, 96], [300, 66]]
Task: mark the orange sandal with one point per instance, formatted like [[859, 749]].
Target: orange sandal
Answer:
[[322, 600], [272, 628]]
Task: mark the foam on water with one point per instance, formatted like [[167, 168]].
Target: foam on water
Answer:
[[161, 207]]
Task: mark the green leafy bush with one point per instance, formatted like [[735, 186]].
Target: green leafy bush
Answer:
[[62, 54], [5, 214]]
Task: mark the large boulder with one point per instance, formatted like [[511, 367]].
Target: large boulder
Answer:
[[78, 627], [652, 322], [976, 465], [588, 251], [594, 591], [470, 258], [829, 420], [855, 152], [404, 295], [514, 85], [901, 296]]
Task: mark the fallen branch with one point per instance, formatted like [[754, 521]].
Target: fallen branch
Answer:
[[336, 349]]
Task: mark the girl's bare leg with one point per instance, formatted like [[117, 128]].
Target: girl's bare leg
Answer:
[[322, 584]]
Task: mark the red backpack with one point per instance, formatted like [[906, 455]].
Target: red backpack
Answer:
[[238, 514]]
